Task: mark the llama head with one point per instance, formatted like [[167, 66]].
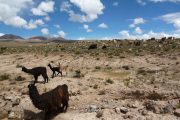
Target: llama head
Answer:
[[32, 85], [23, 69], [65, 86]]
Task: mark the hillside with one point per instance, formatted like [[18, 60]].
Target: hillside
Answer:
[[10, 37]]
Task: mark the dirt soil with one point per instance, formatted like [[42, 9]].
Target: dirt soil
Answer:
[[107, 83]]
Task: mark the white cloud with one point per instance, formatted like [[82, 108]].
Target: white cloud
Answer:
[[137, 21], [164, 1], [143, 2], [172, 18], [86, 27], [10, 10], [43, 8], [81, 38], [16, 21], [106, 38], [90, 9], [62, 34], [34, 24], [138, 30], [47, 18], [115, 3], [103, 25], [1, 34], [65, 6], [126, 35], [57, 26], [44, 31]]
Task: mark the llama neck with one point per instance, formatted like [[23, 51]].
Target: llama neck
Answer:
[[50, 66], [27, 70], [36, 99]]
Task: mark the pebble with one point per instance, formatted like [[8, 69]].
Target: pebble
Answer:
[[124, 110], [11, 115], [99, 114], [117, 110], [92, 108]]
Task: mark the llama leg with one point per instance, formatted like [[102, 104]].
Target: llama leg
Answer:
[[61, 73], [36, 78], [58, 72], [47, 115], [53, 74], [45, 77]]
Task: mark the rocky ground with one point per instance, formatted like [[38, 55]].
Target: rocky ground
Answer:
[[107, 88]]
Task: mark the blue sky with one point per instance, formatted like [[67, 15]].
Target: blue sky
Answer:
[[91, 19]]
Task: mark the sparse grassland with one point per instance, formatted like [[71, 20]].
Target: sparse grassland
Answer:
[[124, 74]]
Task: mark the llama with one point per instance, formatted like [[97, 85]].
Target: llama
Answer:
[[54, 101], [54, 70], [65, 68], [37, 71]]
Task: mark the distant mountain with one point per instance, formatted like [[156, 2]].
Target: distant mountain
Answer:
[[39, 38], [10, 37], [57, 38]]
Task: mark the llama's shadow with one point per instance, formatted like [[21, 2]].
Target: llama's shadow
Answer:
[[34, 82], [30, 115]]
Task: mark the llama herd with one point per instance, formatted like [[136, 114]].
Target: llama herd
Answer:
[[51, 102]]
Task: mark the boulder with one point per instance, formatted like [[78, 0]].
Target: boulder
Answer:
[[177, 112]]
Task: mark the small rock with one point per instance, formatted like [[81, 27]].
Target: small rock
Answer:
[[144, 112], [99, 114], [134, 105], [92, 108], [20, 78], [124, 110], [152, 106], [79, 92], [80, 84], [126, 67], [2, 103], [127, 116], [8, 97], [16, 102], [177, 112], [105, 107], [24, 91], [117, 110], [168, 108], [11, 115]]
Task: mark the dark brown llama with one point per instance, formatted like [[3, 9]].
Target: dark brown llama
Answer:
[[54, 70], [36, 72], [54, 101]]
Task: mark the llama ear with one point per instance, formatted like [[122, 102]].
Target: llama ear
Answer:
[[29, 85], [32, 83]]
